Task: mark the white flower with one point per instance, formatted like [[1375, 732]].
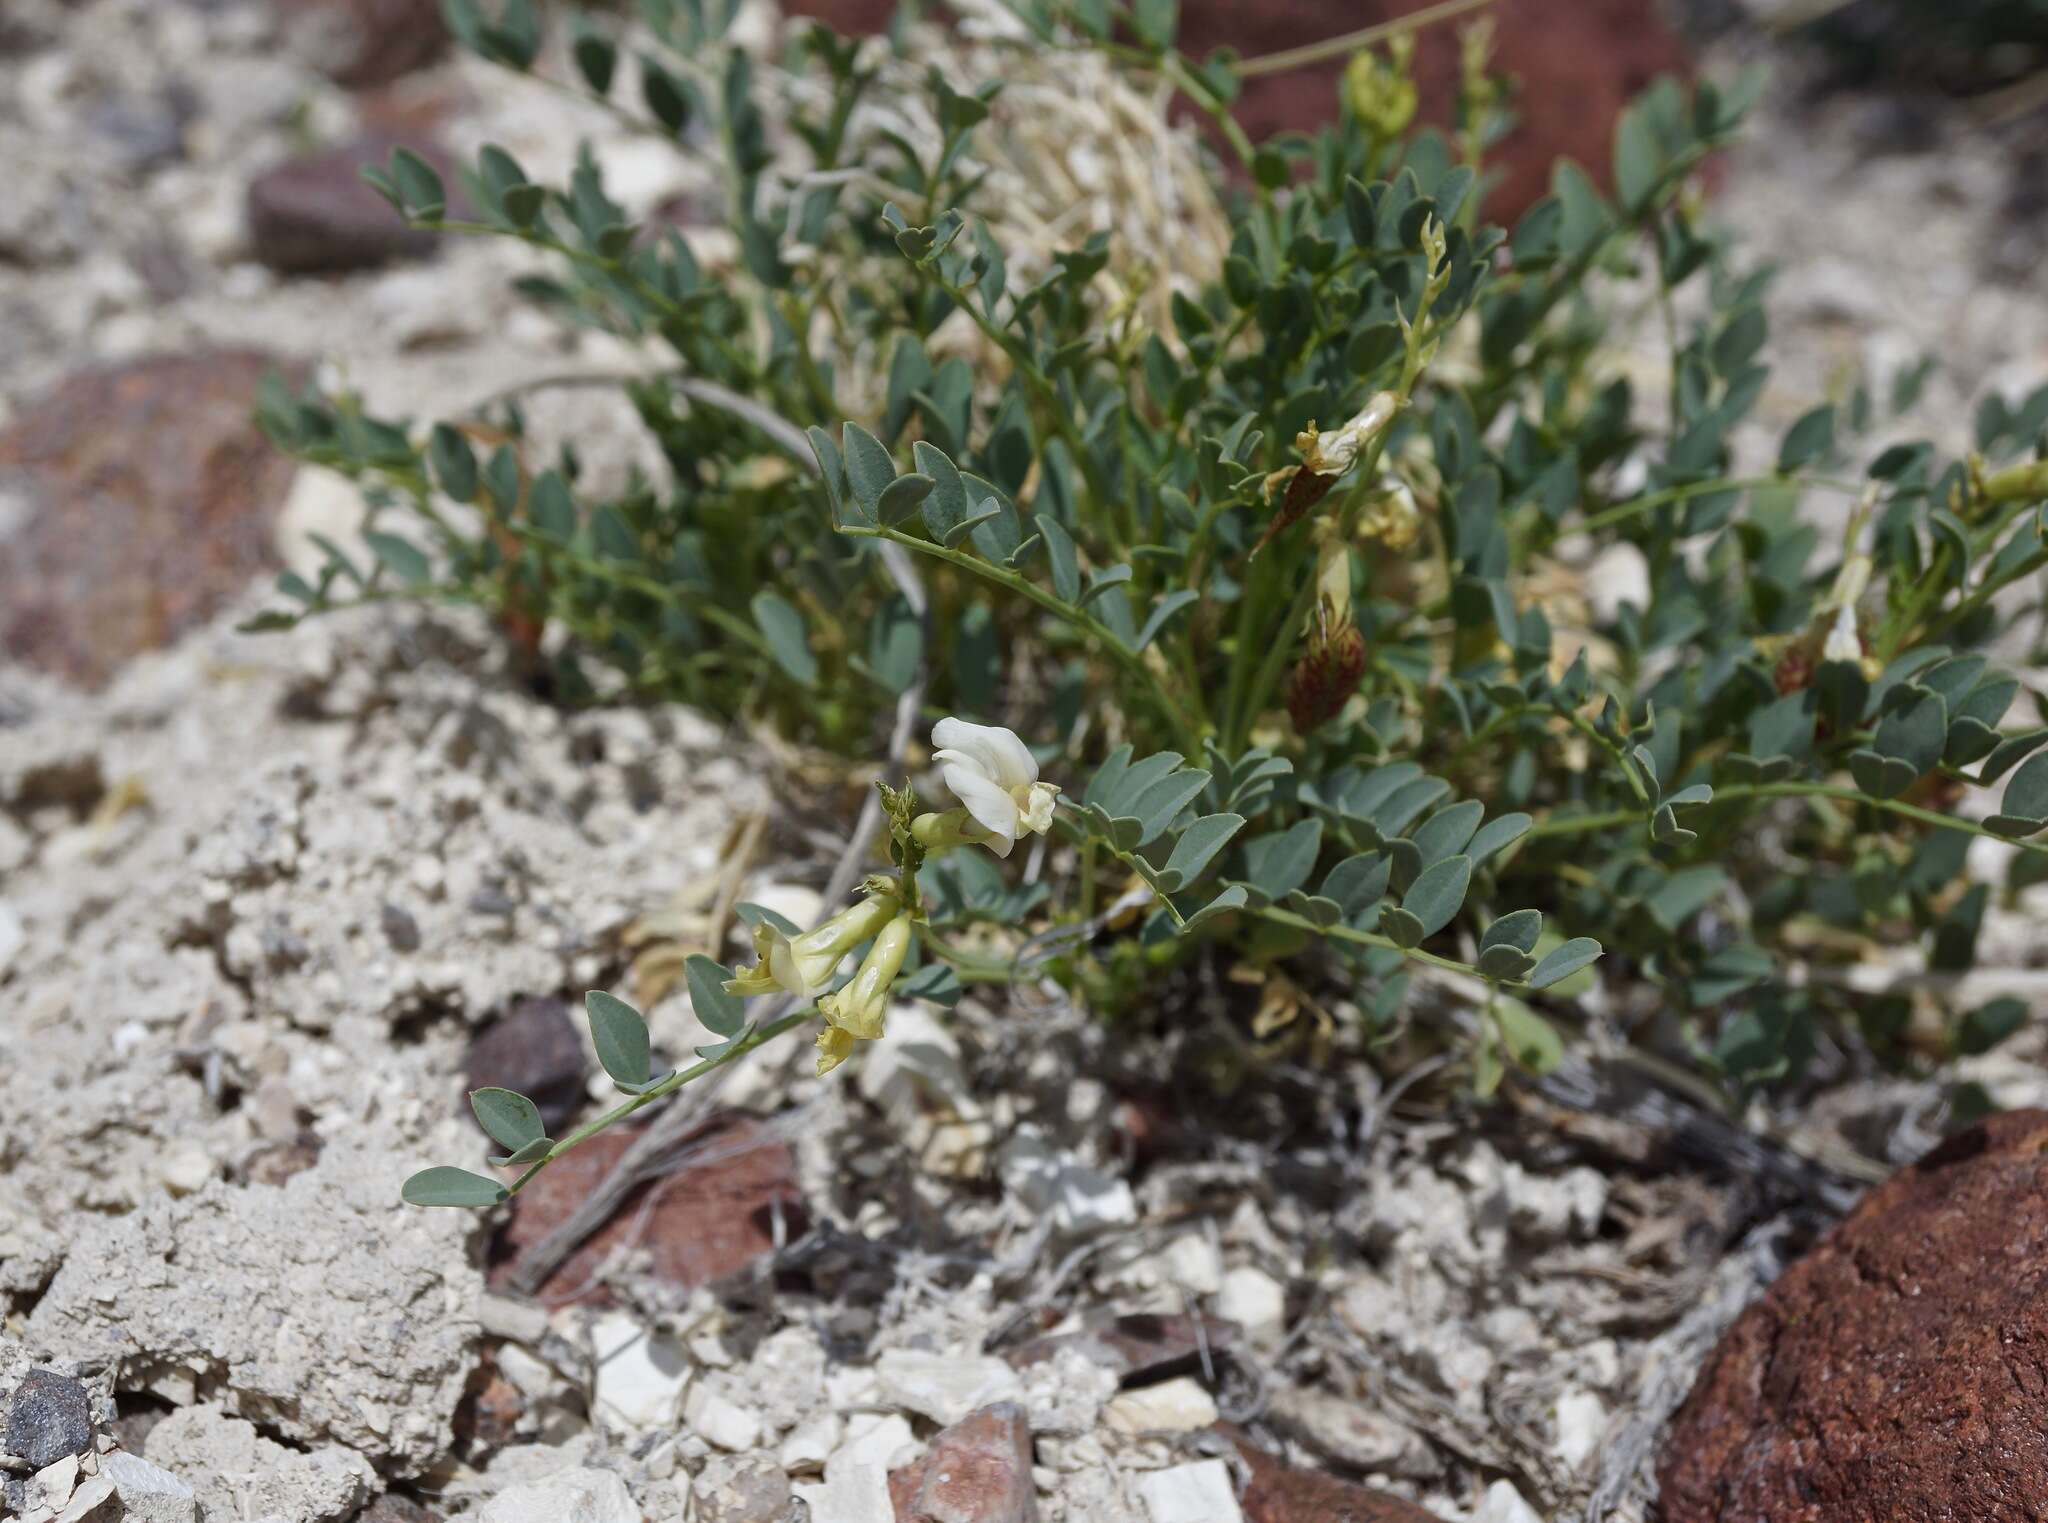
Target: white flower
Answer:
[[1843, 643], [994, 774]]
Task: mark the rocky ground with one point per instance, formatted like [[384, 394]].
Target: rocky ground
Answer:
[[268, 906]]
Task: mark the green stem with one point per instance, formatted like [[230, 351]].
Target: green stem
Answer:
[[1346, 43], [1183, 728], [1655, 500], [1420, 333], [1931, 817], [1581, 823], [1367, 939], [666, 1087], [726, 620], [1048, 394]]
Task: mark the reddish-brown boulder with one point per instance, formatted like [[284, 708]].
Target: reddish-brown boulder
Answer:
[[140, 499], [712, 1217], [977, 1471], [1277, 1492], [1138, 1346], [1900, 1369], [314, 214], [533, 1049], [366, 42]]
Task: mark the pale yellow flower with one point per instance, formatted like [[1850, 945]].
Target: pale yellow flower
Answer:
[[803, 965], [860, 1011]]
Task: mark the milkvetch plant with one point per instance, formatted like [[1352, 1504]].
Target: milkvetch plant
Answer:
[[1283, 579]]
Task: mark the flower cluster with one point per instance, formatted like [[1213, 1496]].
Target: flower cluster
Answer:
[[995, 777]]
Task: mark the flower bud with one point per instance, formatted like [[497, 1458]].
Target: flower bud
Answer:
[[1380, 93], [859, 1011], [1392, 518], [1325, 677]]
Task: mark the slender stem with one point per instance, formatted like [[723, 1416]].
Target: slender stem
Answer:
[[725, 619], [1048, 395], [1219, 112], [1350, 42], [1420, 334], [1367, 939], [666, 1087], [1577, 824], [1101, 633], [1892, 806], [1639, 505]]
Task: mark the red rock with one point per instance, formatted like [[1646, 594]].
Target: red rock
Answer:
[[1277, 1492], [707, 1220], [977, 1471], [1138, 1346], [150, 496], [533, 1049], [367, 42], [314, 214], [1900, 1369], [488, 1415]]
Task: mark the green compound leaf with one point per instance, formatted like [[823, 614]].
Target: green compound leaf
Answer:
[[453, 1187], [1988, 1025], [1358, 882], [1166, 608], [1808, 439], [620, 1037], [1197, 848], [1280, 863], [2008, 754], [533, 1152], [946, 507], [1564, 962], [1530, 1040], [1505, 964], [2025, 808], [722, 1013], [1059, 554], [1518, 931], [900, 497], [869, 470], [1497, 835], [1881, 777], [1232, 898], [1401, 928], [454, 463], [1446, 832], [508, 1117], [831, 468], [1914, 732], [782, 626], [403, 558], [1439, 893]]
